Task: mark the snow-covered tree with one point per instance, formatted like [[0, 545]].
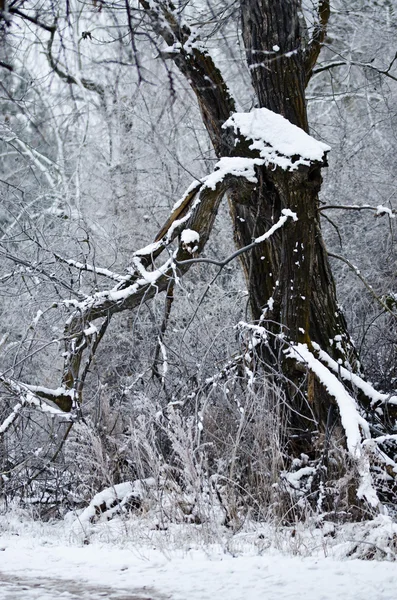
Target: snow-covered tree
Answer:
[[268, 166]]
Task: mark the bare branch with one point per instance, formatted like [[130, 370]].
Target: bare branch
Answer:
[[36, 268], [133, 44], [35, 20], [55, 65], [365, 282], [215, 102], [6, 66], [341, 63], [379, 211], [319, 33], [94, 345], [329, 66]]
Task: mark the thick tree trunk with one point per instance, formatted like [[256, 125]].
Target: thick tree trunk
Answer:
[[289, 278], [275, 55]]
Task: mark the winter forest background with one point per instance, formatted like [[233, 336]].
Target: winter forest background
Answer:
[[181, 382]]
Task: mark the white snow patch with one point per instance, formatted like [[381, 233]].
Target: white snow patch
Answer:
[[190, 240], [189, 236], [383, 210], [237, 166], [148, 250], [91, 330], [294, 478], [276, 139], [114, 497]]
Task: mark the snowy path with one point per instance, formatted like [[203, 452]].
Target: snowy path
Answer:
[[21, 588], [32, 570]]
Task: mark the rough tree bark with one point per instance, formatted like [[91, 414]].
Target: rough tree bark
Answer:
[[305, 299]]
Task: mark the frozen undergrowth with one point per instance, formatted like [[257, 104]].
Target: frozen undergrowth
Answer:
[[369, 540]]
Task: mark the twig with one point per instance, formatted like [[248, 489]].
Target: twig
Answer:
[[34, 20], [169, 298], [319, 33], [375, 209], [354, 63], [259, 240], [365, 282]]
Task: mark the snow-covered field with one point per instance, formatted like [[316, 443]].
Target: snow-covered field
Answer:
[[127, 559]]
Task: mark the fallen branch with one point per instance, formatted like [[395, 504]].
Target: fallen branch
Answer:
[[355, 426]]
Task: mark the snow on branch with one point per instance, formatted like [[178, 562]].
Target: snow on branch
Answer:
[[355, 426], [235, 166], [6, 424], [113, 500], [29, 395], [181, 213], [379, 210], [352, 421], [117, 296], [278, 141], [182, 210], [226, 167], [376, 397], [49, 394], [43, 163], [92, 269], [179, 35]]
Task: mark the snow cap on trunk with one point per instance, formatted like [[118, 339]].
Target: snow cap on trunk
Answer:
[[278, 141]]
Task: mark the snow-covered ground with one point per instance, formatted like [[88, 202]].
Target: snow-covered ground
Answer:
[[127, 559]]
